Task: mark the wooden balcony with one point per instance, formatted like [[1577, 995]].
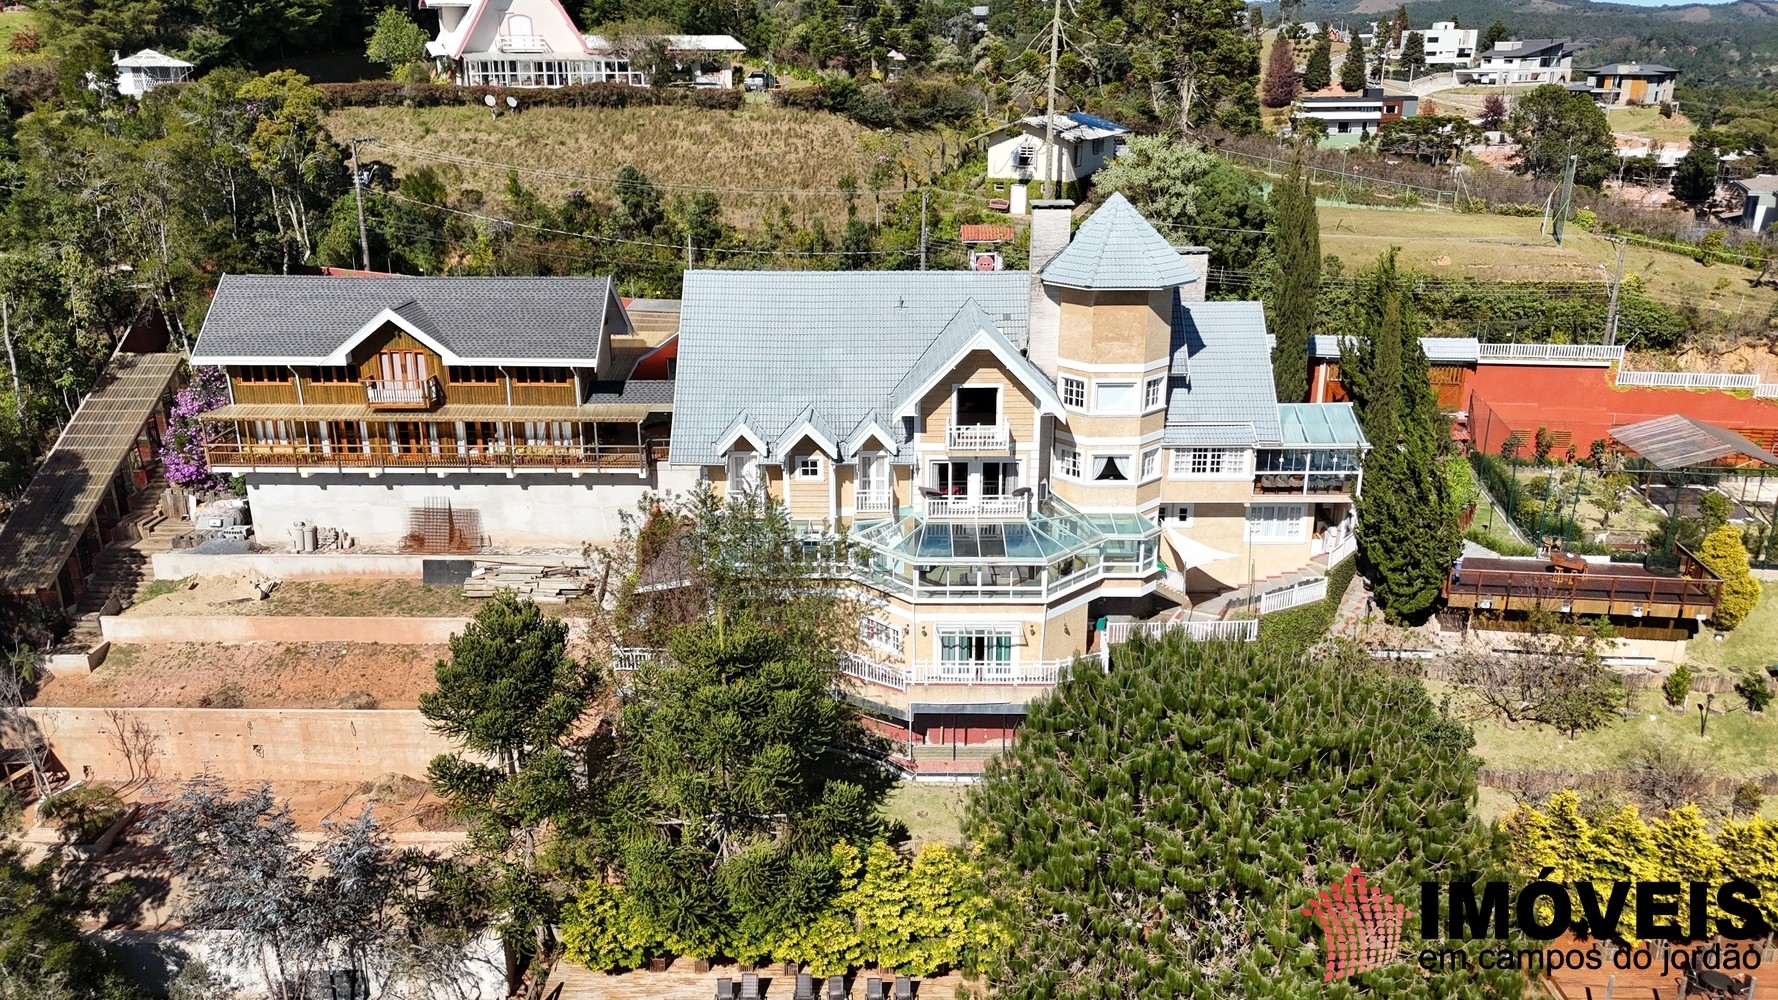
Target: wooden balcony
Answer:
[[421, 395], [375, 457], [1622, 589]]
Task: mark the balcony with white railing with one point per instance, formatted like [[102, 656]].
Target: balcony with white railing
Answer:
[[522, 43], [402, 394], [875, 502], [983, 438], [967, 673], [944, 506]]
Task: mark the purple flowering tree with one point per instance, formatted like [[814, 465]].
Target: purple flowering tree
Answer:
[[182, 455]]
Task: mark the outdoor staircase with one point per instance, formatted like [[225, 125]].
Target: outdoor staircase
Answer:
[[1218, 606], [126, 566]]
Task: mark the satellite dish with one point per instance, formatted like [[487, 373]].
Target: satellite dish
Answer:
[[488, 100], [512, 102]]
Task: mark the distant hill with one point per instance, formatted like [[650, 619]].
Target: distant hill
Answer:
[[1731, 43]]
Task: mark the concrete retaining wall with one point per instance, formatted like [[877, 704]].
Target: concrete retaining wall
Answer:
[[278, 628], [527, 509], [242, 744]]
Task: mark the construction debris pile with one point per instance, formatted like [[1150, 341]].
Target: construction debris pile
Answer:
[[543, 584]]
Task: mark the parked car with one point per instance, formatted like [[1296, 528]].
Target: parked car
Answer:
[[759, 79]]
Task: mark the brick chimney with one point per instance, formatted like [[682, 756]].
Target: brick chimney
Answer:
[[1198, 258], [1052, 225]]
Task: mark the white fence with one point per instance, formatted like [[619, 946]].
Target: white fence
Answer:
[[1692, 380], [1245, 630], [965, 507], [1597, 353], [1766, 390], [1307, 592], [978, 437], [900, 677]]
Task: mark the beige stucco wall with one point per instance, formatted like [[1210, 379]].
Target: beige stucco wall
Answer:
[[1115, 328], [246, 744]]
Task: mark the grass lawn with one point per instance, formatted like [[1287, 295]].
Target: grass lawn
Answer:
[[1507, 248], [799, 157], [11, 23], [1754, 643], [933, 812], [402, 598], [1737, 744], [1648, 122]]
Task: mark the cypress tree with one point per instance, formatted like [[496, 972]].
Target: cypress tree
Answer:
[[1352, 70], [1319, 73], [1407, 517], [1296, 282]]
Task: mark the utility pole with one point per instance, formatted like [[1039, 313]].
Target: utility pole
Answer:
[[1611, 307], [923, 193], [688, 262], [1049, 108], [358, 195], [1567, 194], [18, 391]]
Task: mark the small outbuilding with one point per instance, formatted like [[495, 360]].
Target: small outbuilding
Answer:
[[148, 69]]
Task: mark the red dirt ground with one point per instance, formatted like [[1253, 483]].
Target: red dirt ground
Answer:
[[257, 675]]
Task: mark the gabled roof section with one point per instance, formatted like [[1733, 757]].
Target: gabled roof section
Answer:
[[150, 59], [808, 425], [1117, 249], [1072, 126], [316, 320], [771, 344], [1222, 373], [970, 330], [873, 426], [737, 432]]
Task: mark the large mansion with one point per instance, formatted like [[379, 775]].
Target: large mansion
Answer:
[[1016, 455]]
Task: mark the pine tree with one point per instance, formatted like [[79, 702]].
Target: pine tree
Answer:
[[1319, 73], [1400, 27], [1282, 84], [1353, 72], [1407, 519], [1413, 52], [1296, 283], [1495, 34]]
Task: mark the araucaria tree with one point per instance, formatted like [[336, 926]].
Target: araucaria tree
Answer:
[[1282, 84], [1203, 47], [1319, 72], [1296, 282], [1407, 519], [1156, 829], [1354, 71]]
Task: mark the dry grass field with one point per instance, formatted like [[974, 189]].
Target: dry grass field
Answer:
[[1505, 248], [755, 159]]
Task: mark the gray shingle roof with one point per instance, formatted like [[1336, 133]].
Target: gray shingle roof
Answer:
[[771, 344], [1116, 248], [302, 319], [1222, 373]]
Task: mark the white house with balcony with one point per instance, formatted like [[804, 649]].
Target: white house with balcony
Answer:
[[1521, 62], [1445, 45], [1015, 456], [535, 43]]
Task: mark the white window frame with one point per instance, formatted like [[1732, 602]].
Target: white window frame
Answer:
[[1129, 466], [1154, 393], [1149, 466], [809, 468], [1134, 387], [1067, 462], [737, 466], [879, 634], [1209, 463], [1074, 392], [1276, 524], [1169, 513], [961, 669]]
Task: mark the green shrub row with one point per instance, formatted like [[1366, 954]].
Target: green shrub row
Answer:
[[1297, 629], [388, 93], [1499, 543], [896, 105]]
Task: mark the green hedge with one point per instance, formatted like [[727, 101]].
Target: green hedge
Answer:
[[388, 93], [896, 105], [1299, 628]]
